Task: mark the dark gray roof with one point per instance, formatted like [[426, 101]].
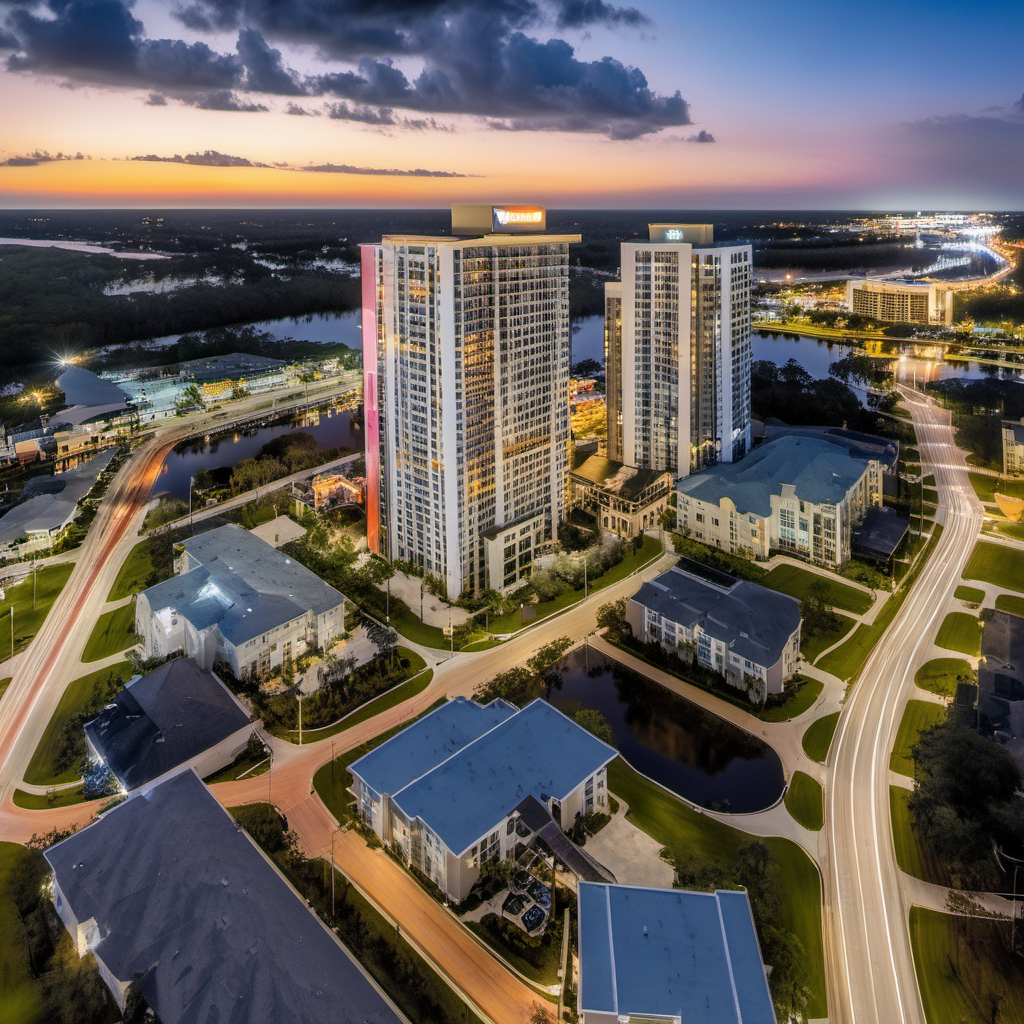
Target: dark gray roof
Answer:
[[183, 898], [1016, 428], [1001, 682], [163, 720], [880, 532], [83, 387], [236, 364], [243, 584], [596, 469], [756, 622], [51, 501], [536, 818], [822, 471]]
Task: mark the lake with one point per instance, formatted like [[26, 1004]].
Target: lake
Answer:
[[690, 751], [334, 430]]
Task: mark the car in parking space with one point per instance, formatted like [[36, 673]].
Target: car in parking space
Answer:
[[533, 918]]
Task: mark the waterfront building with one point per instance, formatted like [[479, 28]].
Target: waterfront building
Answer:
[[239, 601], [466, 356], [669, 955], [747, 633], [910, 302], [801, 494], [472, 783], [677, 351]]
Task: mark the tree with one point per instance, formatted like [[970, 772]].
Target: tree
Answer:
[[382, 637], [611, 618], [518, 686], [586, 367], [596, 723], [548, 655], [539, 1014]]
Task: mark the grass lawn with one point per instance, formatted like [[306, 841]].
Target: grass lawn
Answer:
[[930, 496], [805, 801], [543, 970], [419, 632], [812, 646], [29, 615], [389, 699], [42, 770], [917, 716], [4, 683], [929, 480], [132, 576], [807, 692], [1010, 603], [965, 969], [818, 737], [689, 835], [848, 659], [792, 580], [995, 563], [114, 632], [633, 560], [332, 779], [18, 987], [939, 675], [43, 802], [1011, 530], [972, 595], [985, 487], [960, 632], [908, 853]]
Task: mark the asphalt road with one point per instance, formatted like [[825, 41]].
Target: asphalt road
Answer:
[[869, 962]]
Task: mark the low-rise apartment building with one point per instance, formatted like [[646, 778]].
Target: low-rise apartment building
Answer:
[[463, 786], [747, 633], [625, 500], [238, 601], [796, 493], [1013, 447]]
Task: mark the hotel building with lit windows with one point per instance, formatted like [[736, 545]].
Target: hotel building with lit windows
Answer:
[[677, 351], [466, 356]]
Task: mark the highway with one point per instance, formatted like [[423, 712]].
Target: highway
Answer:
[[869, 963]]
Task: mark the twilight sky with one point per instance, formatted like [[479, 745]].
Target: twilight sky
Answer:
[[903, 105]]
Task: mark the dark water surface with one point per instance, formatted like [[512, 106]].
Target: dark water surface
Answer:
[[670, 739]]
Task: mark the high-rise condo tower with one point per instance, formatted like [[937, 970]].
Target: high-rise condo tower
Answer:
[[466, 354], [677, 351]]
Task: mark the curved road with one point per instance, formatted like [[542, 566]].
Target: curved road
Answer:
[[867, 942]]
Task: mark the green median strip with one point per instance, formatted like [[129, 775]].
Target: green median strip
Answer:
[[908, 853], [961, 632], [114, 632], [31, 602]]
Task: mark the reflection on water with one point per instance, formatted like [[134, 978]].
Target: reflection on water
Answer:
[[671, 740], [335, 429]]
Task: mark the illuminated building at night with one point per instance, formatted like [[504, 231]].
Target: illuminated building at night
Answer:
[[677, 351], [466, 354]]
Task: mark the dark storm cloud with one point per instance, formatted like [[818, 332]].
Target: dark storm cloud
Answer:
[[363, 114], [211, 158], [224, 99], [476, 57], [155, 99], [701, 136], [297, 111], [8, 42]]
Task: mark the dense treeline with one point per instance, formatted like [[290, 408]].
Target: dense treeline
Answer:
[[961, 816], [977, 406], [52, 300]]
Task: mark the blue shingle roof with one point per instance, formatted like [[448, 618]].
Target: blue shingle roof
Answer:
[[755, 621], [671, 952], [427, 742], [537, 752], [821, 471]]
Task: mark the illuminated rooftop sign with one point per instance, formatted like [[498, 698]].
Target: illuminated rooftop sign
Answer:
[[472, 219]]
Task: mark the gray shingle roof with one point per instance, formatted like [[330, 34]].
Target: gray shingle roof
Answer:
[[822, 472], [755, 621], [182, 897], [162, 720], [242, 583]]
